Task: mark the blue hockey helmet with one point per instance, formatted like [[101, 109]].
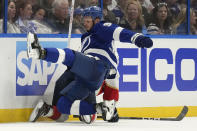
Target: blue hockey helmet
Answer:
[[78, 11], [93, 11]]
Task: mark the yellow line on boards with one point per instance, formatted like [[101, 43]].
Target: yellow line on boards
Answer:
[[22, 115]]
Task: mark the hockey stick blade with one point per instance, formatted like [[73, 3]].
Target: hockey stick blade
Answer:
[[181, 115]]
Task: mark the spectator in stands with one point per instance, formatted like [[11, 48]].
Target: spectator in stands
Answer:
[[59, 19], [79, 3], [193, 18], [195, 25], [154, 2], [47, 5], [77, 27], [183, 3], [24, 13], [174, 7], [39, 20], [153, 29], [93, 3], [122, 4], [119, 11], [33, 2], [180, 25], [133, 17], [147, 5], [116, 9], [193, 4], [1, 7], [146, 8], [11, 26], [108, 15], [161, 18], [24, 21], [112, 5], [39, 13], [1, 16]]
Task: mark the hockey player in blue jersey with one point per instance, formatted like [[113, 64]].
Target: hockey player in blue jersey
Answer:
[[87, 70]]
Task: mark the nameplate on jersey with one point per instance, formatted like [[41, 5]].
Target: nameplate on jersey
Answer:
[[107, 24]]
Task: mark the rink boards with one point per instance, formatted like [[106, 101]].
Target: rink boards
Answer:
[[154, 82]]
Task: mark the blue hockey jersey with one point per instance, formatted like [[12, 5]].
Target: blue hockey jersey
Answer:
[[99, 41]]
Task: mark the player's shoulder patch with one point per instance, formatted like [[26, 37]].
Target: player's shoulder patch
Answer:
[[107, 24]]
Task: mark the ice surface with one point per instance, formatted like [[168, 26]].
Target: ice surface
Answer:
[[187, 124]]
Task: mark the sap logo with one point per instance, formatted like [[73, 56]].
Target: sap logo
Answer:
[[145, 66], [33, 76]]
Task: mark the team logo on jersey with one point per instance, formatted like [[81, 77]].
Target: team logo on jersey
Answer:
[[32, 75], [107, 24]]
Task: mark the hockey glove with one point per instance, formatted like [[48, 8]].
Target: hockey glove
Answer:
[[142, 41], [34, 49]]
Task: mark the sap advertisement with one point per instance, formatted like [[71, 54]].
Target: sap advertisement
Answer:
[[165, 75], [32, 75]]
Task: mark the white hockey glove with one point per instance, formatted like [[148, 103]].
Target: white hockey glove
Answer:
[[34, 49]]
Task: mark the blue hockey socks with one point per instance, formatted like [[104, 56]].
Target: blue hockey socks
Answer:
[[70, 56], [64, 105], [77, 107], [55, 55]]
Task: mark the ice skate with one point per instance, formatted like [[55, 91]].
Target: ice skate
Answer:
[[88, 119], [32, 46], [41, 109], [34, 49], [107, 109]]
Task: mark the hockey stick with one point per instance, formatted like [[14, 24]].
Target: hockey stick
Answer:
[[181, 115], [71, 22]]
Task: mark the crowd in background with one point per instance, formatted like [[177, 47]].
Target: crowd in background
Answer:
[[143, 16]]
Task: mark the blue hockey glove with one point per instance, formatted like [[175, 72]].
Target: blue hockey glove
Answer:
[[143, 41]]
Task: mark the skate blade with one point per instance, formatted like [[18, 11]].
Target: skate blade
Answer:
[[30, 40], [33, 117]]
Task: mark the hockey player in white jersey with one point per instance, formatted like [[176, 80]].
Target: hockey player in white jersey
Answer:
[[95, 65]]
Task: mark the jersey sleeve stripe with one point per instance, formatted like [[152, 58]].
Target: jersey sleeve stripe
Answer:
[[134, 37], [75, 107], [62, 56], [116, 34]]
